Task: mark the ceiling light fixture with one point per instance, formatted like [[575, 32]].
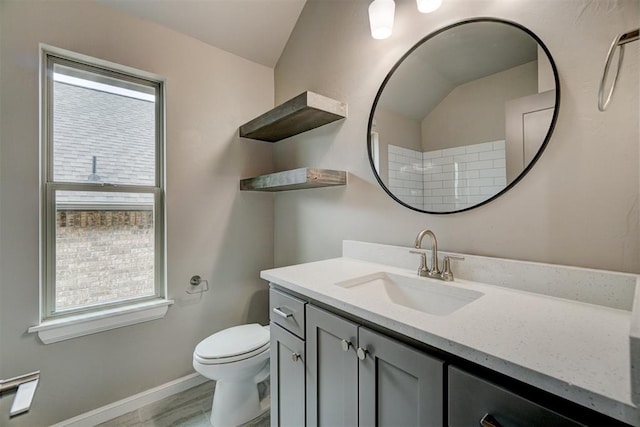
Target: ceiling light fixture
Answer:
[[428, 6], [381, 14]]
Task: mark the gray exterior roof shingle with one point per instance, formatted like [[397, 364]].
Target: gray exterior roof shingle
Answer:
[[118, 130]]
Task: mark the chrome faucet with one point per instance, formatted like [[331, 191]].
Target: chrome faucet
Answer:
[[434, 271]]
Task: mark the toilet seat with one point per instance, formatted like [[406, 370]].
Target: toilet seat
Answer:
[[233, 345]]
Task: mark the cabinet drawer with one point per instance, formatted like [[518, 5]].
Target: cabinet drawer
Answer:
[[472, 398], [287, 311]]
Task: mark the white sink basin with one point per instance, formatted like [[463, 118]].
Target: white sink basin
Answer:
[[422, 294]]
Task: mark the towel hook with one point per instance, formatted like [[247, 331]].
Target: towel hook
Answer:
[[619, 41]]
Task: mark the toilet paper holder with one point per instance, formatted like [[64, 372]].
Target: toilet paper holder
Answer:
[[194, 283]]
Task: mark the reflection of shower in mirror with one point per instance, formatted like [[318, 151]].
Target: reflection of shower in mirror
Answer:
[[449, 179]]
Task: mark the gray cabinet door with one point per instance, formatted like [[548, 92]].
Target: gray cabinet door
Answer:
[[398, 385], [287, 378], [332, 371]]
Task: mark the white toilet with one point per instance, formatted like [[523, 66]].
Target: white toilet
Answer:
[[237, 358]]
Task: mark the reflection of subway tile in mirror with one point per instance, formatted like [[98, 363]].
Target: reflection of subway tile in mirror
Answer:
[[450, 179]]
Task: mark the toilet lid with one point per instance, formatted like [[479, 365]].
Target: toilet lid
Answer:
[[243, 340]]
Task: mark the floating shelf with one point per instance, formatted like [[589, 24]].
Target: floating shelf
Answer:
[[304, 112], [295, 179]]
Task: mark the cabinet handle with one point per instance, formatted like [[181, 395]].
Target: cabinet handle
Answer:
[[281, 313], [295, 357], [345, 345], [362, 353], [488, 421]]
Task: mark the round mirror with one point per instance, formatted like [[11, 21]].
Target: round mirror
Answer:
[[463, 116]]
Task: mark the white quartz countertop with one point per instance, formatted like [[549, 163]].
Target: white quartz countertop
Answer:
[[575, 350]]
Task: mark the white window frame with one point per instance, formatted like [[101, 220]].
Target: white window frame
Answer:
[[69, 323]]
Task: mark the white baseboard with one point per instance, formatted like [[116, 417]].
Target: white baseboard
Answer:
[[134, 402]]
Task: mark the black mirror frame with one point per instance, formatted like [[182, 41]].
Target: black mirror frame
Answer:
[[527, 167]]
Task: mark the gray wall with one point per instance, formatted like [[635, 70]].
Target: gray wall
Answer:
[[579, 204], [474, 112], [213, 229]]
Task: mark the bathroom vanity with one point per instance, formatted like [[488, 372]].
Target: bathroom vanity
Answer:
[[354, 341]]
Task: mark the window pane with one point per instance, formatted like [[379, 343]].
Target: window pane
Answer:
[[104, 246], [104, 129]]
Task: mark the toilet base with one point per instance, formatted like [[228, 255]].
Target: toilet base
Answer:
[[235, 403]]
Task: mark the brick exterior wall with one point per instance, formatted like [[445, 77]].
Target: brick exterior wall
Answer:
[[103, 256]]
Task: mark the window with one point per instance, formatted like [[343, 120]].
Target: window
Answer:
[[103, 243]]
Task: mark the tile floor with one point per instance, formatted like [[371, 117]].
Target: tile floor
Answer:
[[191, 408]]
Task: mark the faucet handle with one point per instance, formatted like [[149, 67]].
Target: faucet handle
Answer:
[[447, 274], [422, 270]]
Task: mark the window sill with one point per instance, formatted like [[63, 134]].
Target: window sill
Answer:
[[51, 331]]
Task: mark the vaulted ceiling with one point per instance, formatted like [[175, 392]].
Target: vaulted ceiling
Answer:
[[257, 30]]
